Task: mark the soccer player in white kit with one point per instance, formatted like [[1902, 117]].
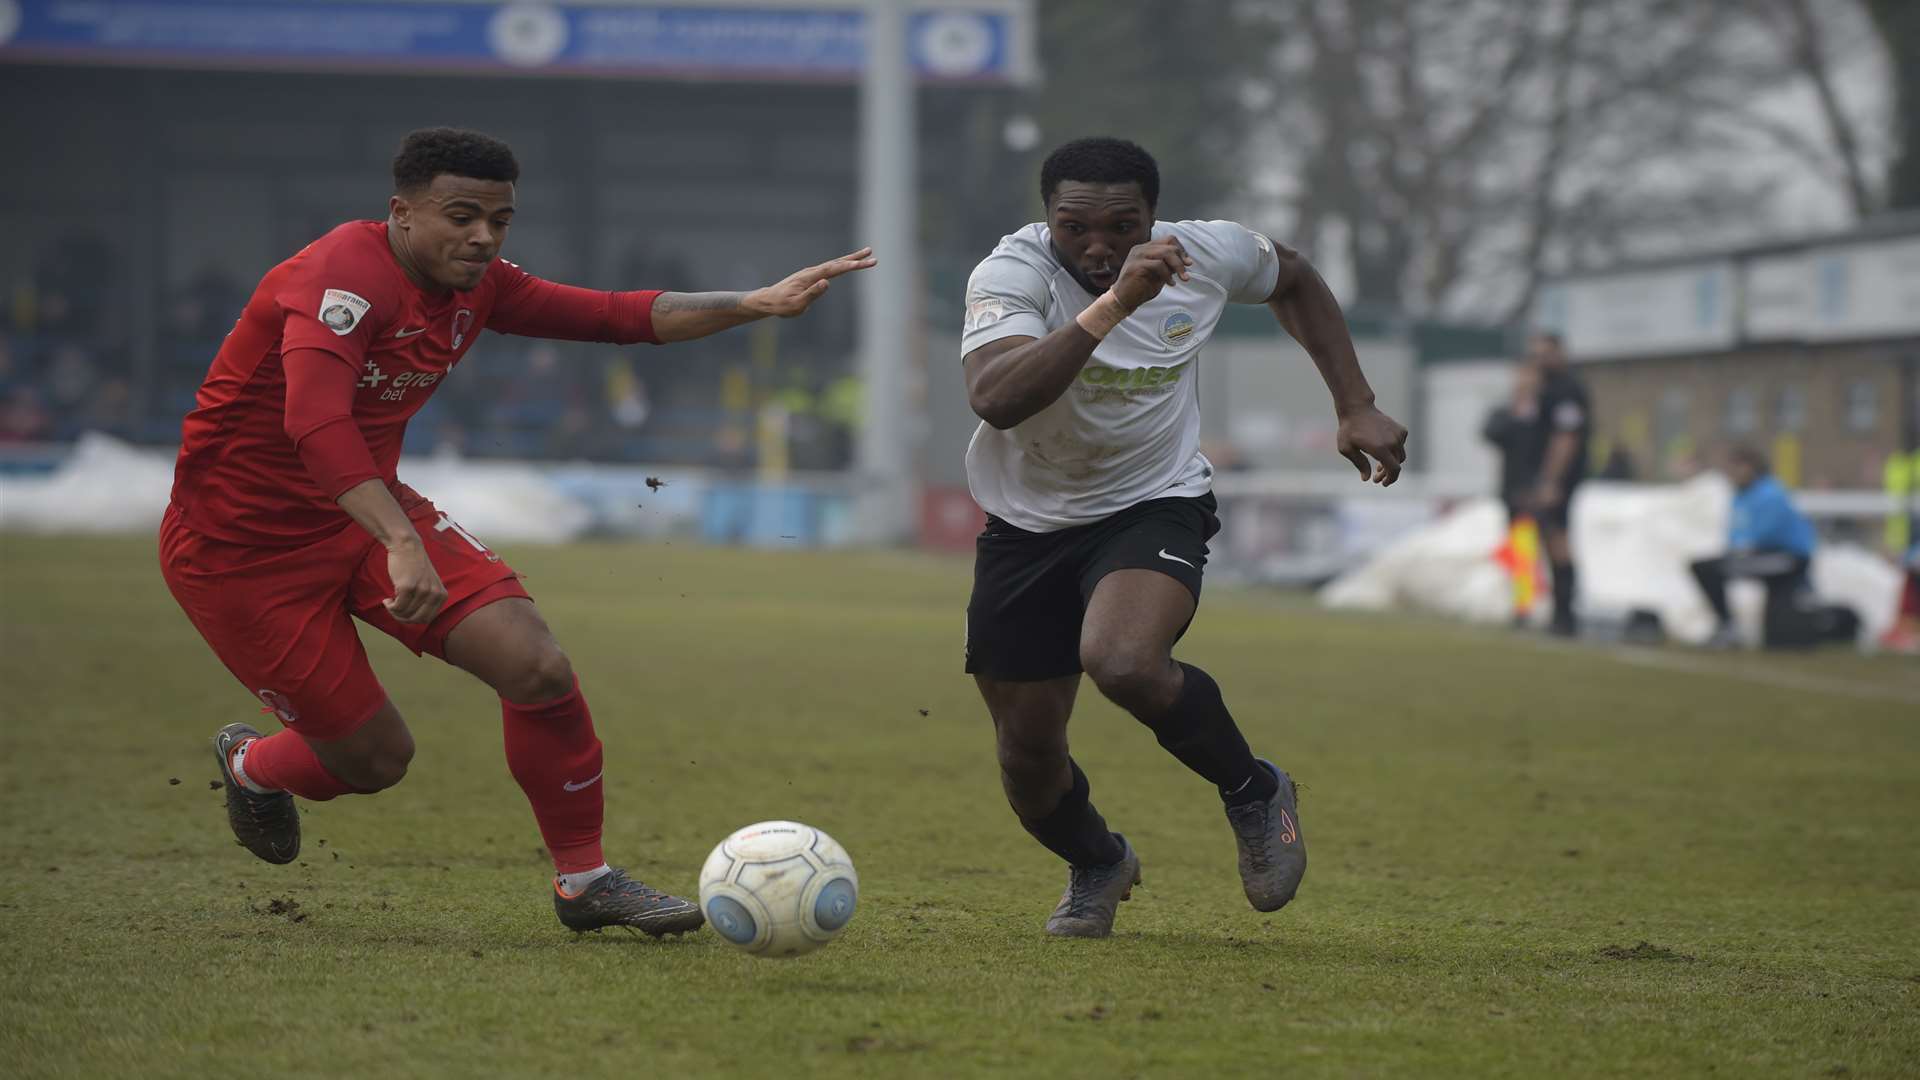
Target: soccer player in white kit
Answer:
[[1082, 353]]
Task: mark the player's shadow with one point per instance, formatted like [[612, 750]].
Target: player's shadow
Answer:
[[1194, 939], [614, 937], [1294, 948]]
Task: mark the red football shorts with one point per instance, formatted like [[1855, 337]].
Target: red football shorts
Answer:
[[279, 617]]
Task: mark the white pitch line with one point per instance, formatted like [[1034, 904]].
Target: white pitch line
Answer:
[[1668, 661]]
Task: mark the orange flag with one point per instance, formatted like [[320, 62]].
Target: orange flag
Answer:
[[1520, 555]]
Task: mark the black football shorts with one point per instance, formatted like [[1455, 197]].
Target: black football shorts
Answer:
[[1030, 590]]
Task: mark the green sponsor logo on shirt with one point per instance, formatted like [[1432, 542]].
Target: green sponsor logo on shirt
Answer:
[[1111, 378]]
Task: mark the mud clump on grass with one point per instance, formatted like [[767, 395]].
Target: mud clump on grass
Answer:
[[1645, 951], [878, 1044], [284, 907]]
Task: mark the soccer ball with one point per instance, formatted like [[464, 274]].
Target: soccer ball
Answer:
[[778, 888]]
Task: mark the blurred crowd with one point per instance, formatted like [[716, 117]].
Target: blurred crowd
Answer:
[[66, 367], [61, 371]]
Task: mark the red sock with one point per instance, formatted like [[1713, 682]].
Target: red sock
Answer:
[[555, 756], [285, 762]]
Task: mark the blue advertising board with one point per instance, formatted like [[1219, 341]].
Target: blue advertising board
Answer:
[[953, 41]]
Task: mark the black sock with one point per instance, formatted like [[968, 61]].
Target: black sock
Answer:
[[1563, 590], [1200, 732], [1075, 831]]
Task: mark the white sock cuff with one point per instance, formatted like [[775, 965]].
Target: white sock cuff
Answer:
[[573, 883], [237, 763]]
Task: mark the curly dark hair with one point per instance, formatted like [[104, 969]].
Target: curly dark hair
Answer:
[[1101, 160], [430, 152]]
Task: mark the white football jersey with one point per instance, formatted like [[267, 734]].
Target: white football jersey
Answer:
[[1128, 429]]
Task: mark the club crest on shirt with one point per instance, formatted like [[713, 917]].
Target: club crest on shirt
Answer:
[[340, 311], [983, 311], [1177, 328], [277, 703], [462, 322]]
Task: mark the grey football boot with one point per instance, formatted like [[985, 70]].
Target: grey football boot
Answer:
[[618, 900], [267, 825], [1093, 894], [1273, 853]]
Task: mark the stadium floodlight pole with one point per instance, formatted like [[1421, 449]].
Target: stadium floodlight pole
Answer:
[[885, 459]]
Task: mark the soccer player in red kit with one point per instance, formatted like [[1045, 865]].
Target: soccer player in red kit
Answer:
[[288, 520]]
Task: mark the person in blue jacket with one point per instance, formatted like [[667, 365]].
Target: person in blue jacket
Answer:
[[1768, 538]]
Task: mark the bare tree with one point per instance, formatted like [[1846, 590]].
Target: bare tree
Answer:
[[1898, 24], [1467, 147], [1450, 154], [1803, 34]]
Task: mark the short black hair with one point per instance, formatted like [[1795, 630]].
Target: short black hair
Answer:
[[1751, 456], [430, 152], [1101, 160]]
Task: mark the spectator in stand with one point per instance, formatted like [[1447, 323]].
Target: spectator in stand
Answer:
[[23, 419], [1768, 539], [626, 396], [1620, 464], [208, 307], [572, 436], [72, 284], [72, 377], [840, 405], [110, 408], [1904, 635]]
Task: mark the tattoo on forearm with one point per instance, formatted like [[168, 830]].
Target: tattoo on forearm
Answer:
[[666, 303]]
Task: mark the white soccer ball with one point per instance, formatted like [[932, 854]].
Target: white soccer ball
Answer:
[[778, 888]]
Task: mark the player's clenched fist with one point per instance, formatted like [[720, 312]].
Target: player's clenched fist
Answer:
[[1148, 269], [1370, 433], [418, 593]]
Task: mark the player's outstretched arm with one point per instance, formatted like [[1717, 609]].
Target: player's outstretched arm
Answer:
[[685, 316], [1308, 311]]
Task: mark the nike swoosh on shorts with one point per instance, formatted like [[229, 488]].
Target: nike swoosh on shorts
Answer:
[[571, 786], [1176, 558], [409, 333]]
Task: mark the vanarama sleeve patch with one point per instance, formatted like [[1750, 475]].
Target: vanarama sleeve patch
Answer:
[[983, 311], [340, 311]]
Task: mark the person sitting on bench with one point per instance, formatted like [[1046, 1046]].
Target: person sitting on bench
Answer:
[[1769, 539]]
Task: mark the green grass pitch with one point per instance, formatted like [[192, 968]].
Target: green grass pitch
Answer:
[[1524, 860]]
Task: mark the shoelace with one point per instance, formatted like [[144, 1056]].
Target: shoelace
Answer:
[[1250, 821], [264, 812], [1080, 891], [622, 887]]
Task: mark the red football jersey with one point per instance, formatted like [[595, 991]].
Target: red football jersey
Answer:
[[239, 478]]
